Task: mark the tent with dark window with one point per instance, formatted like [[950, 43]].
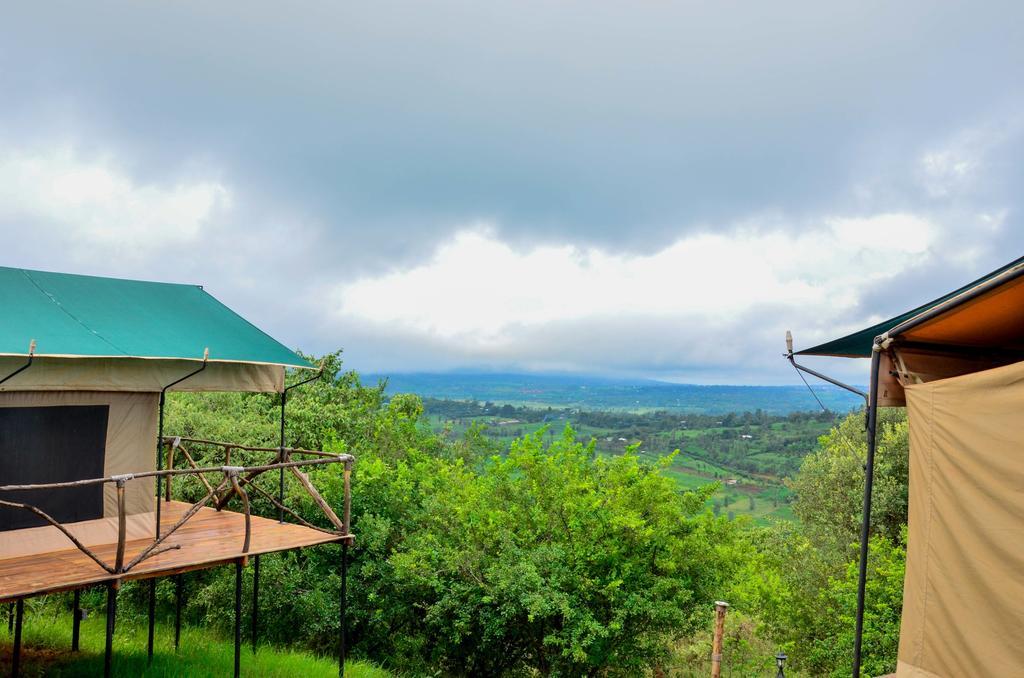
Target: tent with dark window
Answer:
[[101, 351], [85, 469], [957, 365]]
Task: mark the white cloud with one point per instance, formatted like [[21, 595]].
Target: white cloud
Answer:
[[479, 293], [959, 164], [92, 203]]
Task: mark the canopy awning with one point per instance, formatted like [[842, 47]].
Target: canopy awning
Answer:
[[982, 314], [130, 335]]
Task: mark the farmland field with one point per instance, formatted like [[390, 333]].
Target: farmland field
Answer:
[[747, 456]]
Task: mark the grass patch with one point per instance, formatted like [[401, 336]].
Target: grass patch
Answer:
[[46, 639]]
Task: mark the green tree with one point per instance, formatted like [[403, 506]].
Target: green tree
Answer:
[[830, 485]]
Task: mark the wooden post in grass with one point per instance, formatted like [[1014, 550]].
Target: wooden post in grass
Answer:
[[716, 643]]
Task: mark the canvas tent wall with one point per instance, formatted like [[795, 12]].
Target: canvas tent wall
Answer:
[[958, 364], [83, 401]]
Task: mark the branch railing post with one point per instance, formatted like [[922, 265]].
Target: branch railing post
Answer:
[[122, 525], [232, 474]]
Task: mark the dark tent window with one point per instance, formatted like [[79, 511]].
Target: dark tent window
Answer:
[[47, 445]]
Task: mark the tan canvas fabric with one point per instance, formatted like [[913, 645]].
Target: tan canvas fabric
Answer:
[[963, 605], [130, 445], [138, 374]]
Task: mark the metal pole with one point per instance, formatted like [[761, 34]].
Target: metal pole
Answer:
[[19, 613], [869, 477], [152, 612], [177, 611], [284, 403], [160, 436], [255, 603], [111, 614], [238, 617], [76, 619], [344, 608], [159, 462], [280, 478]]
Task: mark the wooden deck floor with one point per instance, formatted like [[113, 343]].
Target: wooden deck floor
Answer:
[[209, 538]]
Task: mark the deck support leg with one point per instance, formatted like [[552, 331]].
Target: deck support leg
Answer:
[[238, 617], [152, 619], [19, 613], [76, 619], [255, 603], [111, 614], [177, 611], [344, 608]]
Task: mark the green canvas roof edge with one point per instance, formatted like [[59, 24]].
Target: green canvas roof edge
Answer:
[[265, 349], [859, 344]]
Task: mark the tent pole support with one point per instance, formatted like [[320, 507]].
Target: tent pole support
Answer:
[[76, 619], [865, 526], [152, 614], [19, 614], [31, 357], [255, 602], [111, 614], [284, 404], [343, 608], [789, 355], [824, 377], [177, 611], [160, 439], [238, 617]]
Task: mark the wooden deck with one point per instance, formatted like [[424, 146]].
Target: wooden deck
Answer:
[[209, 538]]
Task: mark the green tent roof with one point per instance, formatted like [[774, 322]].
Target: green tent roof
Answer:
[[87, 316], [858, 344]]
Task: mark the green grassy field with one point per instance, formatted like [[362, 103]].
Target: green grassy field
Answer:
[[46, 639]]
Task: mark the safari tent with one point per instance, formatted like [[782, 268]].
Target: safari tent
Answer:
[[86, 471], [957, 365]]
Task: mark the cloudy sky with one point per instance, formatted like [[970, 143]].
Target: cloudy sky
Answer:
[[634, 189]]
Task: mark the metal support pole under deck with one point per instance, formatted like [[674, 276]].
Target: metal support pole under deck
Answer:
[[177, 611], [152, 612], [111, 614], [76, 619], [238, 617], [869, 477], [255, 603], [19, 614], [344, 608]]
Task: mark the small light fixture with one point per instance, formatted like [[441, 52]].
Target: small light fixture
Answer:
[[780, 661]]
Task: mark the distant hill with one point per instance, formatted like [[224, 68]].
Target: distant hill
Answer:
[[613, 394]]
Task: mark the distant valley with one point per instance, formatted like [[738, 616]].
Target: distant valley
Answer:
[[595, 393]]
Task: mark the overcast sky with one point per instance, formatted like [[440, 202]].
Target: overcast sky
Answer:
[[634, 189]]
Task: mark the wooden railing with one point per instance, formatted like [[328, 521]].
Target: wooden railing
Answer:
[[231, 481]]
